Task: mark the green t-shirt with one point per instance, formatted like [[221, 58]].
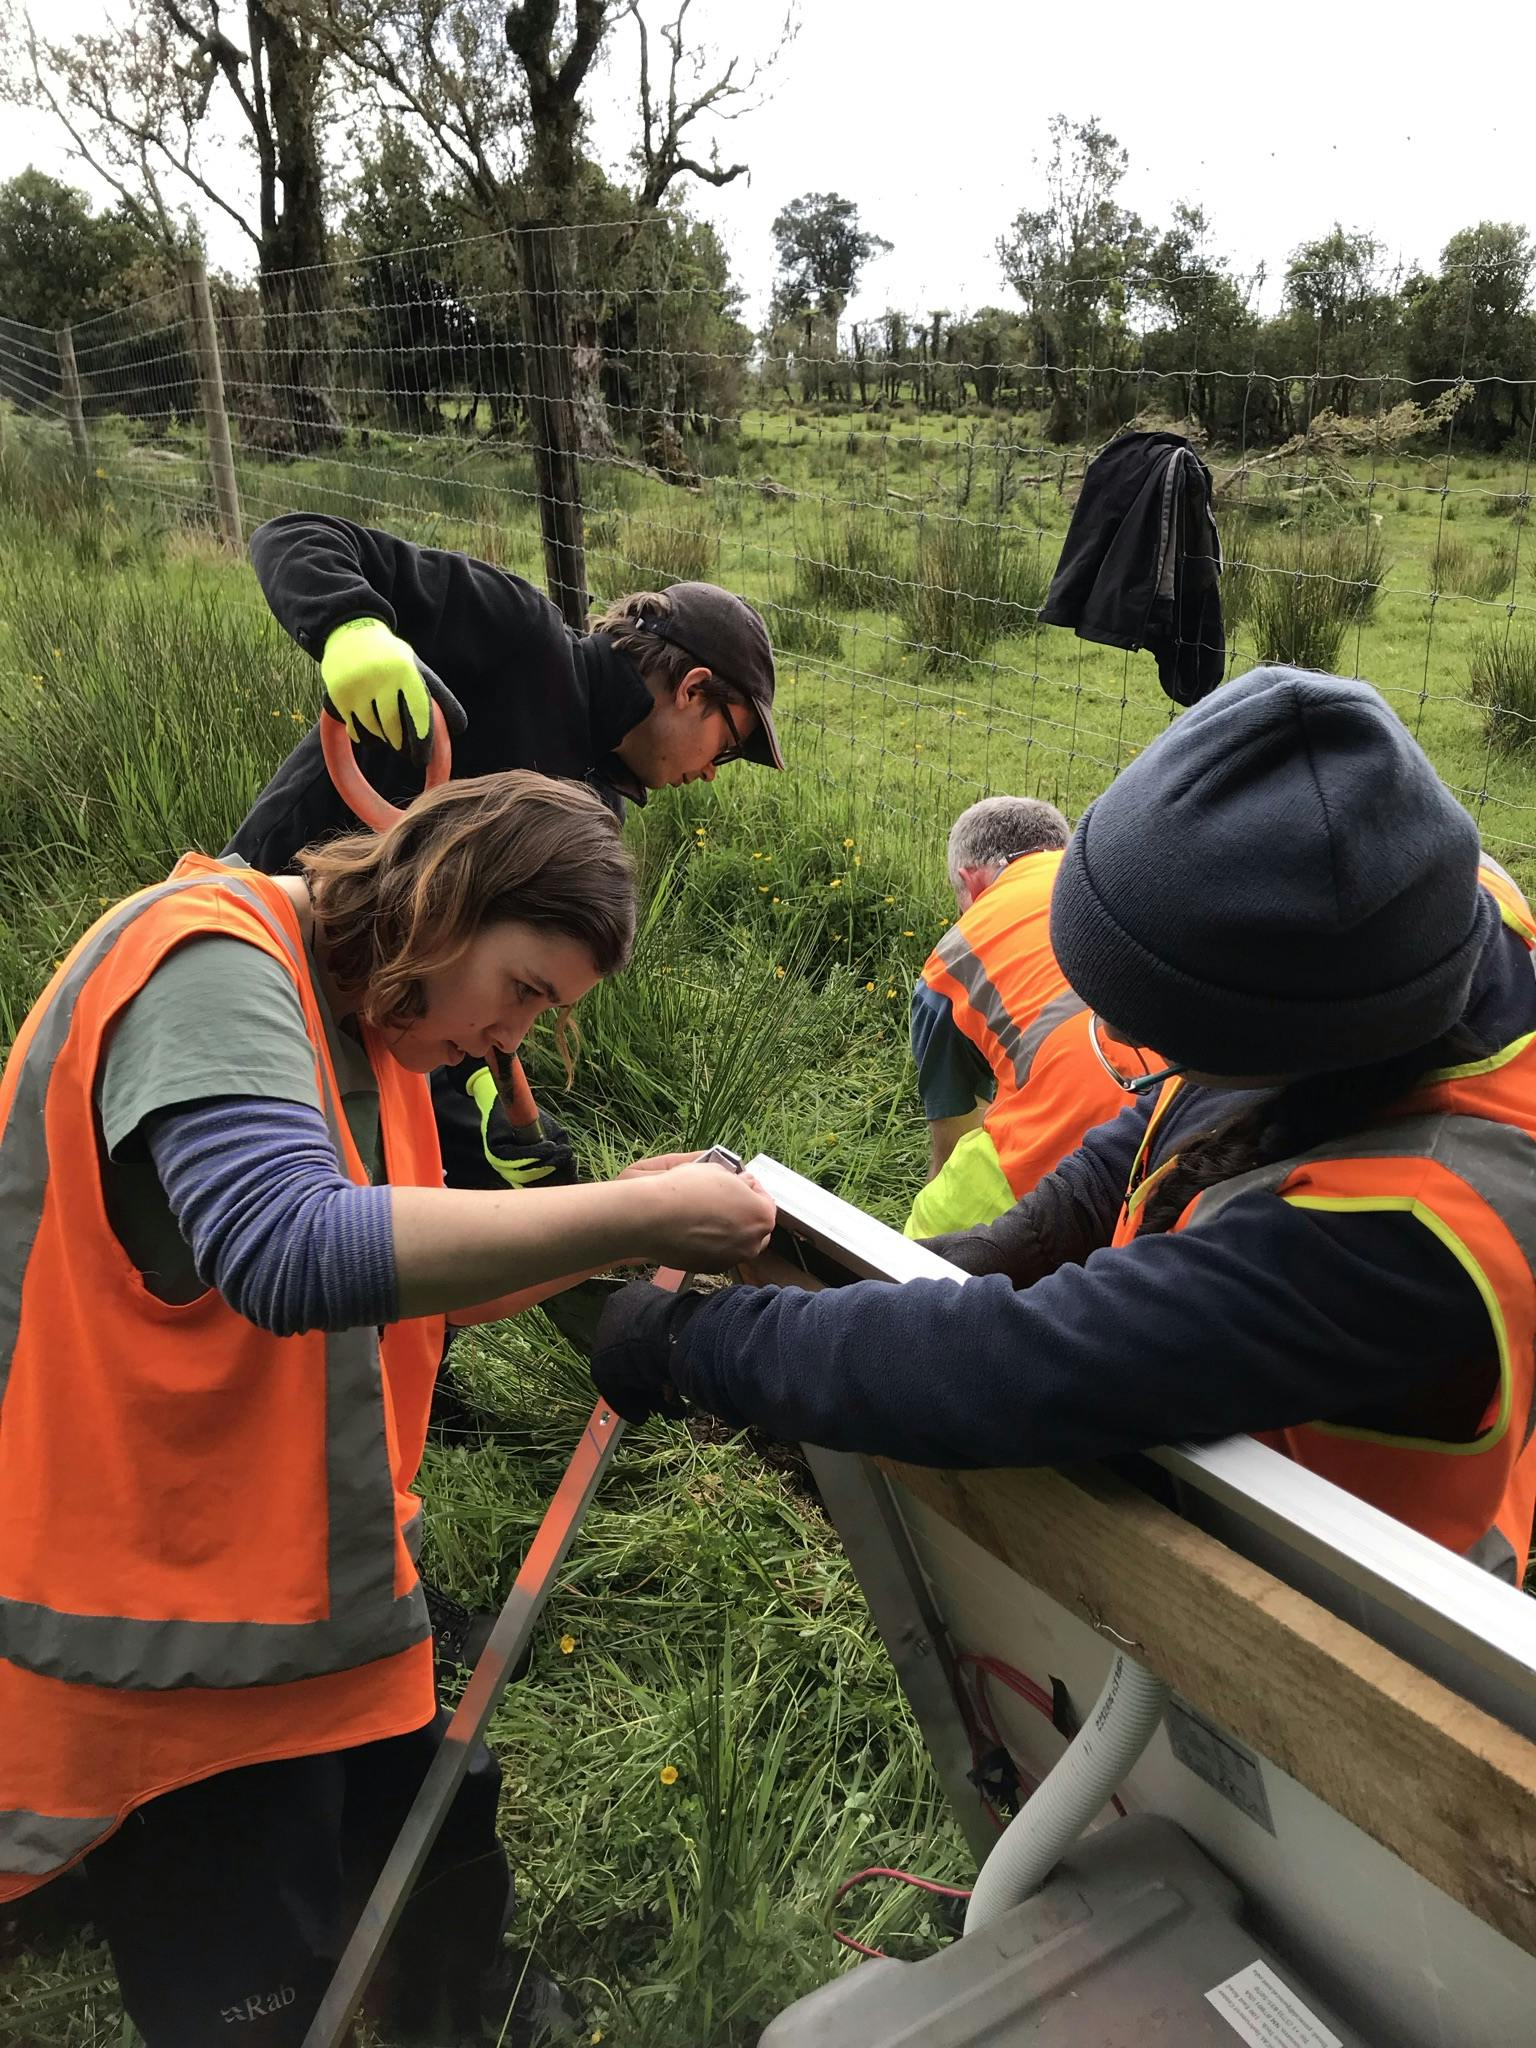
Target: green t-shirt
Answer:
[[217, 1017]]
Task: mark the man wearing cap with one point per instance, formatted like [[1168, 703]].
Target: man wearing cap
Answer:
[[665, 689]]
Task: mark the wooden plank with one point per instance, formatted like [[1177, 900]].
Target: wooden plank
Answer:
[[1436, 1781]]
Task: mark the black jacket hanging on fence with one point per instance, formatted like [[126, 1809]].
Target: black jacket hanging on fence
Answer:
[[1141, 562], [537, 695]]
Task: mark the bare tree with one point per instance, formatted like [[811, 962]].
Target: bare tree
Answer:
[[665, 121], [499, 92], [142, 105], [448, 73]]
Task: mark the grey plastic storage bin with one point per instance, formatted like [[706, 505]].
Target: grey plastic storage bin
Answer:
[[1134, 1941]]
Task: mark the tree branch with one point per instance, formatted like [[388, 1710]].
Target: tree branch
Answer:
[[661, 152], [591, 23]]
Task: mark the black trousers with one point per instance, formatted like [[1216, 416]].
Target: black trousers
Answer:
[[226, 1904]]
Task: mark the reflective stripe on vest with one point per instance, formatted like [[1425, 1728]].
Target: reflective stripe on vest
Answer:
[[1019, 1047], [37, 1844], [1496, 1161], [365, 1620], [1008, 997]]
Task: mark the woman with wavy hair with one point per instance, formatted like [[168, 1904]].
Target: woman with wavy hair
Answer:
[[229, 1254]]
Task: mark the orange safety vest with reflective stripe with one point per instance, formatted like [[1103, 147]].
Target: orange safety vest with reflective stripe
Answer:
[[1460, 1157], [205, 1551], [1012, 1001]]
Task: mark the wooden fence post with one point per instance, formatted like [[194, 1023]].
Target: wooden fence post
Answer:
[[69, 387], [552, 422], [210, 377]]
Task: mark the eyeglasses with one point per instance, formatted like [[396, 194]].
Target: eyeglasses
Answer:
[[1117, 1060], [738, 747]]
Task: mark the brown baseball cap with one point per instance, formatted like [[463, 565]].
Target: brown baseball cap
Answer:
[[728, 637]]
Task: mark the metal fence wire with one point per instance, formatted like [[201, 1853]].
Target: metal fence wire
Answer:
[[586, 406]]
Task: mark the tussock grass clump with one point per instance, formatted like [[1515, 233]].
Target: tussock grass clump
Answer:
[[142, 713], [795, 630], [1299, 618], [975, 585], [1244, 557], [848, 564], [1480, 569], [678, 543], [1510, 505], [1501, 676], [1302, 591], [1355, 558]]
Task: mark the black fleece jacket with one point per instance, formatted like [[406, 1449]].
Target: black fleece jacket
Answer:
[[1270, 1316], [1141, 562], [536, 694]]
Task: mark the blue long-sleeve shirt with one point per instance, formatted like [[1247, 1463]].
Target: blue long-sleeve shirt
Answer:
[[1270, 1316]]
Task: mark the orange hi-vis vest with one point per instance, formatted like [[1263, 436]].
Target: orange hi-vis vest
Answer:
[[1460, 1157], [206, 1538], [1012, 1001]]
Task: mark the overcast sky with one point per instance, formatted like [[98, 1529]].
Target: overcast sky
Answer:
[[931, 118]]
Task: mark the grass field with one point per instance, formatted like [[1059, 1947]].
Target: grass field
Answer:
[[714, 1629]]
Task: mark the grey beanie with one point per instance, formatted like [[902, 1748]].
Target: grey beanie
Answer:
[[1279, 884]]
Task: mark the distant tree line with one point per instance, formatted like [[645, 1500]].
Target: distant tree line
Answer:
[[400, 304], [1112, 316]]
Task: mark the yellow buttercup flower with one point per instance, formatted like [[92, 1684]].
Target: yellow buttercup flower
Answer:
[[669, 1774], [567, 1644]]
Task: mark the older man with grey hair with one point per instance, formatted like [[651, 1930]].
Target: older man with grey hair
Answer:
[[1007, 1075]]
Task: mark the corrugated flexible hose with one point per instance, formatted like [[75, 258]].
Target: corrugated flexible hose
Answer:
[[1124, 1719]]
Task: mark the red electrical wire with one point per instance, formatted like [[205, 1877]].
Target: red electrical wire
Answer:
[[979, 1722], [922, 1884], [1018, 1682]]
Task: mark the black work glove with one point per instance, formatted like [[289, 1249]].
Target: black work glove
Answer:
[[635, 1362]]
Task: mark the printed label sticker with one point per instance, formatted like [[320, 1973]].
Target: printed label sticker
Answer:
[[1268, 2014]]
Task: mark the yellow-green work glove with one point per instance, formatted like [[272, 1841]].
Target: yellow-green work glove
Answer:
[[521, 1165], [372, 684]]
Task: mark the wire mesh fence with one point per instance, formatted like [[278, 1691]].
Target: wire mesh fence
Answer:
[[892, 495]]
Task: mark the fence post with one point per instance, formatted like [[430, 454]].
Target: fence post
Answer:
[[69, 387], [552, 422], [210, 377]]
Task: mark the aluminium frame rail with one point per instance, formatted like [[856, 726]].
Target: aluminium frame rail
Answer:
[[1448, 1617]]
